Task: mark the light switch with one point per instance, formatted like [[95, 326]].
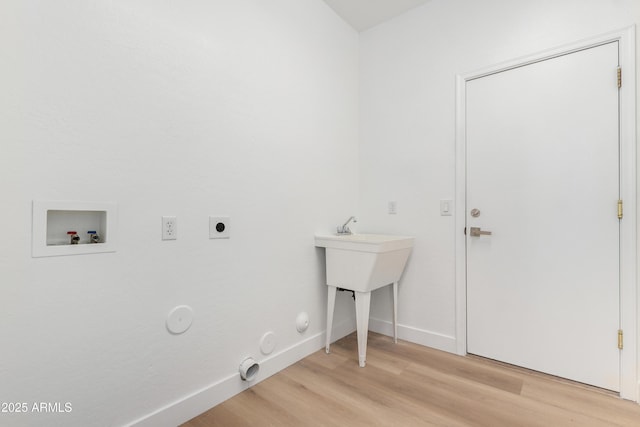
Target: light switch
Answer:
[[446, 207]]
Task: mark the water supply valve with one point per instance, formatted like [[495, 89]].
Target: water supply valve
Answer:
[[93, 236], [74, 239]]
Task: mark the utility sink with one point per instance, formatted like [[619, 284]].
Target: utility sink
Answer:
[[363, 263]]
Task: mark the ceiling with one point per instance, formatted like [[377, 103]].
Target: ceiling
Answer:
[[364, 14]]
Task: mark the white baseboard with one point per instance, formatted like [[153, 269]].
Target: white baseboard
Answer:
[[200, 401], [195, 404], [414, 335]]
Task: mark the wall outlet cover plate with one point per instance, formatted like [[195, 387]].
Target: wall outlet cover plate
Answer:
[[169, 228], [219, 227]]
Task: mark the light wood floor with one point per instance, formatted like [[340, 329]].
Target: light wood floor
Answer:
[[409, 385]]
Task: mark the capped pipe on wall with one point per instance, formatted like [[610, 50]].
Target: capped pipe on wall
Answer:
[[249, 369]]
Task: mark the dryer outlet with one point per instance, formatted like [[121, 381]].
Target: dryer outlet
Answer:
[[219, 227]]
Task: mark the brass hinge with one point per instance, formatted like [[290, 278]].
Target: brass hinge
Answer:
[[620, 212], [620, 339], [619, 77]]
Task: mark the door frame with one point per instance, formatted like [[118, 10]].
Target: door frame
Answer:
[[629, 386]]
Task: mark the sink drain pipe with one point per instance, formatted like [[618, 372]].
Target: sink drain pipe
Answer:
[[248, 369], [353, 293]]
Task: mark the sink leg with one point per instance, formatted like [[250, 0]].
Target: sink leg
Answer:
[[331, 303], [395, 312], [363, 300]]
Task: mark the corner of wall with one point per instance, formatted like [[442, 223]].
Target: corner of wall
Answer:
[[415, 335]]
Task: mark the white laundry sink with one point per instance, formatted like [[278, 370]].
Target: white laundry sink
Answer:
[[363, 263]]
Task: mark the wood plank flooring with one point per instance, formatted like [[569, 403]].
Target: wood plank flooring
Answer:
[[406, 384]]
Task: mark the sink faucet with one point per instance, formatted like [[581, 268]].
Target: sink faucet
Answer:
[[345, 229]]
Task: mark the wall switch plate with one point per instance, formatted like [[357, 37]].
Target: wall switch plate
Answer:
[[219, 227], [169, 228], [446, 207], [392, 208]]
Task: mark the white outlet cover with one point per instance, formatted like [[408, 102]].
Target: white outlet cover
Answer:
[[219, 227], [179, 319], [169, 228]]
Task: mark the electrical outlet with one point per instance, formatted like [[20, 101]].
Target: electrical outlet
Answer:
[[392, 208], [169, 228], [219, 227]]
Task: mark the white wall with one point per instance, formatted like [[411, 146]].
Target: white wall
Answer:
[[407, 127], [238, 107], [247, 108]]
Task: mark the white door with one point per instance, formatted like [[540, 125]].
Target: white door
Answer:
[[543, 172]]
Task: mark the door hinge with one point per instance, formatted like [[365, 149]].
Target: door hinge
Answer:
[[620, 209], [619, 77], [620, 339]]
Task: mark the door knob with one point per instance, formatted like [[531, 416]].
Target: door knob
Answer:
[[477, 232]]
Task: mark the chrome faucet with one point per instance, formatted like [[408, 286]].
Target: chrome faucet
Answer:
[[345, 229]]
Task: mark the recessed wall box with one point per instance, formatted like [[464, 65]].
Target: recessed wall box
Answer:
[[52, 221]]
